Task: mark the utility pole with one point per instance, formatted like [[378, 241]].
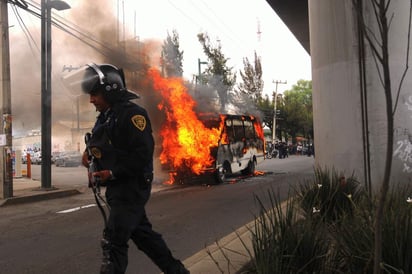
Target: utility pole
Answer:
[[199, 64], [46, 94], [6, 171], [198, 76], [277, 82]]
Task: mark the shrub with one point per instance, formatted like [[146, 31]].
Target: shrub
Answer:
[[334, 233], [285, 244], [329, 196]]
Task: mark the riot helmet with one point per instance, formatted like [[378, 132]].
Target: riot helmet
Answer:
[[104, 78]]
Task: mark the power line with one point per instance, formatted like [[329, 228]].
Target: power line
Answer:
[[226, 31], [105, 48], [72, 29], [239, 39], [25, 30], [184, 14], [67, 27]]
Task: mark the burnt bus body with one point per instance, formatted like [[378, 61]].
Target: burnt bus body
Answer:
[[240, 148]]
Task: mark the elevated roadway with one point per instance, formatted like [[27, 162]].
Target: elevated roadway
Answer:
[[294, 13]]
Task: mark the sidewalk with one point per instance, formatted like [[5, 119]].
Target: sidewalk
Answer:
[[26, 190], [226, 255]]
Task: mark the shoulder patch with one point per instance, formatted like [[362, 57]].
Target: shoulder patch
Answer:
[[96, 152], [139, 121]]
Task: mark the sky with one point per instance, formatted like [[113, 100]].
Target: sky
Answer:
[[241, 28], [235, 24]]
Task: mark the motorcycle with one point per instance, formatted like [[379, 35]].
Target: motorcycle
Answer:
[[272, 153]]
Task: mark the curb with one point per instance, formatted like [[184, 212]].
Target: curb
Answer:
[[41, 196], [227, 255]]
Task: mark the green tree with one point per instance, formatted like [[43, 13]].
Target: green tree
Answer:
[[252, 83], [172, 57], [296, 110], [217, 75], [265, 105]]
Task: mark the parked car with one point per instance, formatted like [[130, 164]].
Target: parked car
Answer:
[[36, 158], [24, 157], [68, 158]]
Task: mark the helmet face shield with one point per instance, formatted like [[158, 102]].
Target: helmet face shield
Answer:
[[82, 80], [103, 78]]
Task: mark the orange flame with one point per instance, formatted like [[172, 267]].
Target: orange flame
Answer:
[[258, 129], [258, 173], [186, 141]]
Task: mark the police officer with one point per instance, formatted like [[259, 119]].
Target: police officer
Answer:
[[122, 146]]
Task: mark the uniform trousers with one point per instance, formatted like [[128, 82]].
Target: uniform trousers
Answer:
[[127, 222]]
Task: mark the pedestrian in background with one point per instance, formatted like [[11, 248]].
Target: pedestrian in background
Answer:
[[122, 144]]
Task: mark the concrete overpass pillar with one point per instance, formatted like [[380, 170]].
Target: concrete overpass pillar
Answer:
[[348, 97]]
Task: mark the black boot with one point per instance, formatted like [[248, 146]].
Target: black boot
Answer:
[[107, 266], [176, 268]]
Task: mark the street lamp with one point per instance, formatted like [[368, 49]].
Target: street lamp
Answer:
[[46, 49]]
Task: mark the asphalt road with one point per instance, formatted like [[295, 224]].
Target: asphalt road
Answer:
[[36, 238]]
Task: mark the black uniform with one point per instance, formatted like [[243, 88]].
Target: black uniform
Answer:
[[122, 142]]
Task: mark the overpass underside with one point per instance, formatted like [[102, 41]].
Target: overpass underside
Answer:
[[294, 13]]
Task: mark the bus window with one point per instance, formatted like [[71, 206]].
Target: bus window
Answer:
[[229, 130], [249, 130], [238, 130]]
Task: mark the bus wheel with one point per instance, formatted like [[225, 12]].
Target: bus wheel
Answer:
[[221, 174], [251, 167]]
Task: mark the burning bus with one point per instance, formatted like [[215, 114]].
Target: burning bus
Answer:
[[234, 144], [194, 145], [240, 148]]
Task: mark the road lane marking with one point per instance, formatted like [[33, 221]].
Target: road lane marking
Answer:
[[75, 208]]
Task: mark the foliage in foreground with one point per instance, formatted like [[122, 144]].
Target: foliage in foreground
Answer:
[[328, 228]]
